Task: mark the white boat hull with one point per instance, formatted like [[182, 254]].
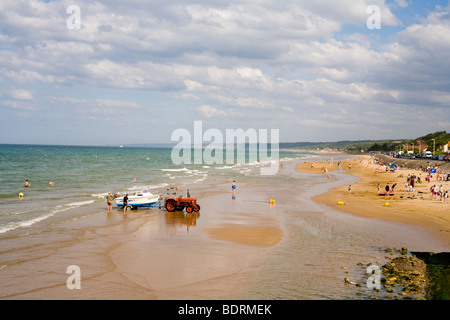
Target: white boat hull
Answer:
[[140, 200]]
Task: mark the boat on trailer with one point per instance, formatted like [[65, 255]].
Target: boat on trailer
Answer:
[[139, 199]]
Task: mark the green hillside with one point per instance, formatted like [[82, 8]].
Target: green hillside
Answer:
[[441, 138]]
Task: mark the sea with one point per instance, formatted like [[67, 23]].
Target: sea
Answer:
[[151, 254], [83, 175]]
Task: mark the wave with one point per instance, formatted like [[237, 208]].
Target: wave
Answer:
[[24, 223], [175, 170], [12, 225], [79, 203], [225, 167], [154, 186]]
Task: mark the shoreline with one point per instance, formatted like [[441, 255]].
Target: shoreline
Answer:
[[231, 250], [148, 253], [363, 199]]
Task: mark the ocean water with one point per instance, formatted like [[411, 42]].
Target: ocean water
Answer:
[[81, 175]]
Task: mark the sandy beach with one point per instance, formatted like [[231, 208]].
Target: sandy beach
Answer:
[[416, 208]]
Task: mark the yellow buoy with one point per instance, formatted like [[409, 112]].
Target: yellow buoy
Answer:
[[341, 203], [21, 195], [387, 204]]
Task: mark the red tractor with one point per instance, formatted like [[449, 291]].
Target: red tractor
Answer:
[[179, 203], [176, 203]]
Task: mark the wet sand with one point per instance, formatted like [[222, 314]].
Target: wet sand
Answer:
[[416, 208], [262, 236], [147, 254]]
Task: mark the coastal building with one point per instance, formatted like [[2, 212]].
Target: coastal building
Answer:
[[419, 146]]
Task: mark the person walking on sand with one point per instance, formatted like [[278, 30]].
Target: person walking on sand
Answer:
[[349, 188], [109, 200], [125, 203], [387, 188]]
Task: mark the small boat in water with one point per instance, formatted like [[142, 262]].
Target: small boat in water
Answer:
[[142, 198]]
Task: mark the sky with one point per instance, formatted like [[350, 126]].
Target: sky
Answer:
[[130, 72]]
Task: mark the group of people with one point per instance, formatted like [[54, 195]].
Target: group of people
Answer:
[[388, 190], [438, 192], [27, 184], [410, 182], [110, 199]]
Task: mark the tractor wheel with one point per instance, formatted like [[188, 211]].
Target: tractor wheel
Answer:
[[171, 205], [197, 209], [189, 209]]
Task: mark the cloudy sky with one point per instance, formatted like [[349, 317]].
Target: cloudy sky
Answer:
[[134, 71]]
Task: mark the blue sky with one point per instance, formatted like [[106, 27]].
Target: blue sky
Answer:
[[137, 70]]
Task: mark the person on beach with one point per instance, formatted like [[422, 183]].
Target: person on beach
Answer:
[[50, 184], [125, 203], [26, 184], [349, 188], [387, 188], [393, 187], [109, 200], [233, 187]]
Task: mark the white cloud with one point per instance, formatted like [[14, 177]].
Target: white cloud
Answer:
[[402, 3], [21, 94], [20, 105], [262, 61], [210, 112]]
